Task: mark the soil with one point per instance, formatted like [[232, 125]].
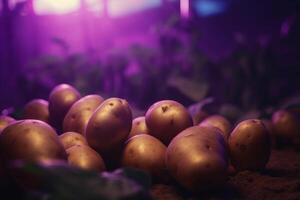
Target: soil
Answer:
[[279, 181]]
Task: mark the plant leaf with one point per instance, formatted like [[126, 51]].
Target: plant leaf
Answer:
[[62, 182]]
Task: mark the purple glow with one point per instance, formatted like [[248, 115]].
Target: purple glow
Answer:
[[44, 7], [286, 25], [95, 6], [115, 7], [185, 8], [119, 8], [12, 3]]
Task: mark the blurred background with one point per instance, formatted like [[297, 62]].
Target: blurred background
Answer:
[[234, 57]]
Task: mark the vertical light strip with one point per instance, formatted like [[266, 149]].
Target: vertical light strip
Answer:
[[185, 8]]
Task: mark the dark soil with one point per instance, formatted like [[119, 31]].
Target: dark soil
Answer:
[[280, 181]]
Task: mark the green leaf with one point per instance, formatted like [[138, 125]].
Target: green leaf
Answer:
[[195, 108], [137, 175], [62, 182], [192, 89]]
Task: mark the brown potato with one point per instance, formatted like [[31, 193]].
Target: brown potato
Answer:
[[61, 99], [5, 121], [199, 117], [165, 119], [80, 112], [286, 124], [250, 145], [37, 109], [30, 140], [85, 157], [197, 158], [70, 139], [147, 153], [219, 122], [138, 127], [109, 126]]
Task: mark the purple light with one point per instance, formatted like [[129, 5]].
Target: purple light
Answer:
[[12, 3], [119, 8], [115, 7], [185, 8], [95, 6], [44, 7], [286, 26]]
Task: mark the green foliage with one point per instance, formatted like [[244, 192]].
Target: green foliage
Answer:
[[247, 80], [62, 182]]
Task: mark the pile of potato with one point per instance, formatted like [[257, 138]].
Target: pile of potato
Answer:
[[99, 134]]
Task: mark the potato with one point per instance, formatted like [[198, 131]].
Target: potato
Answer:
[[250, 145], [109, 126], [30, 140], [165, 119], [61, 99], [37, 109], [199, 117], [219, 122], [80, 112], [70, 139], [197, 158], [147, 153], [86, 158], [138, 127], [286, 124], [5, 121]]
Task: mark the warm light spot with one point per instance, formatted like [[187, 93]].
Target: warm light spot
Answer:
[[69, 97], [142, 147], [44, 7]]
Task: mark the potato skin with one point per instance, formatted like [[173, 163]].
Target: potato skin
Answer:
[[61, 98], [138, 127], [30, 140], [109, 126], [70, 139], [219, 122], [197, 158], [286, 124], [77, 117], [199, 117], [165, 119], [147, 153], [86, 158], [37, 109], [250, 145], [5, 121]]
